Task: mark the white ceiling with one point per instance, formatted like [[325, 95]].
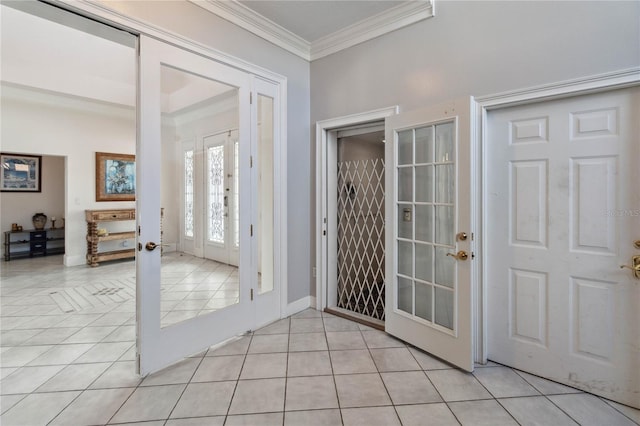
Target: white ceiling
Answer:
[[312, 20], [87, 59]]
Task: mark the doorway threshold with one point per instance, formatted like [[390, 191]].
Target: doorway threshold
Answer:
[[356, 317]]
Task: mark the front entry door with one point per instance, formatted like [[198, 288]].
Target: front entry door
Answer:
[[221, 236], [185, 303], [563, 213], [429, 236]]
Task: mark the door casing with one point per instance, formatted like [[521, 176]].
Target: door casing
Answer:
[[326, 155]]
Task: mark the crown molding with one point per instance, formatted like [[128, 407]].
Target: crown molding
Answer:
[[246, 18], [390, 20]]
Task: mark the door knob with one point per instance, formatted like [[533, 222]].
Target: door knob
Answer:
[[635, 262], [151, 246], [461, 255], [461, 236]]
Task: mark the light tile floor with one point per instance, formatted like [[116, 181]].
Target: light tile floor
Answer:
[[77, 368]]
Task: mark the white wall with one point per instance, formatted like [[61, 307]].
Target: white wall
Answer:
[[19, 207], [48, 124], [475, 48], [199, 25]]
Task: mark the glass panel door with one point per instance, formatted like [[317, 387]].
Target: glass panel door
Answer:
[[426, 272], [428, 268], [182, 294]]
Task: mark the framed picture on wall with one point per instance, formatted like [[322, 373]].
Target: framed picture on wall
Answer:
[[20, 173], [115, 177]]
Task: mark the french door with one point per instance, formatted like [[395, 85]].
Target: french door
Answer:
[[429, 245], [187, 303]]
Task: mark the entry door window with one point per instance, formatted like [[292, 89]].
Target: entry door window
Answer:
[[221, 193], [426, 223]]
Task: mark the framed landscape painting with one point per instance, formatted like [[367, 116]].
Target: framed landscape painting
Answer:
[[20, 173], [115, 177]]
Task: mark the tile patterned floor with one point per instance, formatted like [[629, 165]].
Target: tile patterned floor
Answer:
[[77, 368]]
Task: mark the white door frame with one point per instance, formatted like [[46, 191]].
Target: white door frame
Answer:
[[326, 139], [591, 84], [114, 18]]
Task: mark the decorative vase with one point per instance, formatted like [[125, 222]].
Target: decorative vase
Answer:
[[39, 220]]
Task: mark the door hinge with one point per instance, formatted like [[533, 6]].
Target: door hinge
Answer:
[[138, 363], [251, 294], [251, 97], [251, 161], [251, 230]]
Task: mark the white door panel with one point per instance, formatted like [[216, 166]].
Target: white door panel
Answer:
[[428, 207], [174, 80], [563, 212]]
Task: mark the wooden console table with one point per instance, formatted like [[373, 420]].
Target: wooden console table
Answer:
[[94, 217]]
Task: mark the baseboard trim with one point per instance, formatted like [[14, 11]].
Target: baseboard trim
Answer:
[[300, 305], [74, 260]]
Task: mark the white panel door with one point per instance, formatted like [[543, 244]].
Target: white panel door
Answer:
[[563, 211], [429, 237], [172, 80]]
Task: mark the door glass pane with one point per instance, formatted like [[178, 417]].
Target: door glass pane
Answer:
[[188, 193], [405, 221], [424, 300], [405, 184], [405, 147], [424, 183], [405, 258], [444, 225], [424, 145], [444, 142], [264, 232], [405, 295], [194, 281], [445, 188], [424, 262], [424, 222], [444, 307], [216, 195], [445, 267]]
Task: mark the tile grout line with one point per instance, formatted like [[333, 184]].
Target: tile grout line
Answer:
[[235, 388], [333, 375]]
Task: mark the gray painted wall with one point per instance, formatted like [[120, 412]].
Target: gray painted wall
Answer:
[[197, 24], [474, 48]]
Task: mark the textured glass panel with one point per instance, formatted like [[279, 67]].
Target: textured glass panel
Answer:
[[424, 145], [405, 258], [188, 193], [405, 221], [405, 184], [424, 298], [264, 228], [445, 225], [445, 267], [424, 262], [445, 183], [424, 223], [215, 179], [424, 184], [405, 147], [444, 142], [236, 195], [444, 307], [405, 295]]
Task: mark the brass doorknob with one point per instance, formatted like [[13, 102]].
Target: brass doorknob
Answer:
[[635, 261], [461, 255], [151, 246]]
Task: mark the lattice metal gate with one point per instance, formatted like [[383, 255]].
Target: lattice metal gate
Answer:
[[361, 236]]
